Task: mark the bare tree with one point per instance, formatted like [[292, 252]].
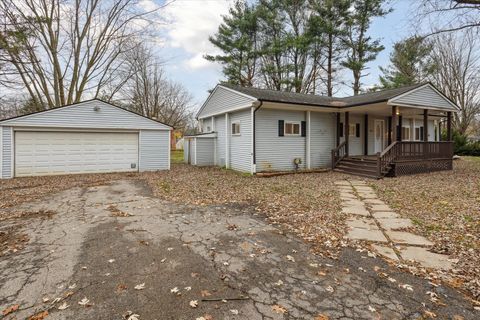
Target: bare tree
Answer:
[[71, 47], [449, 15], [457, 61], [149, 93]]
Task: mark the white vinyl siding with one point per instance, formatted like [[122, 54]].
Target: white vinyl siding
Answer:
[[204, 151], [323, 137], [224, 100], [220, 130], [83, 115], [276, 153], [49, 153], [241, 144], [6, 149], [154, 150], [206, 125], [424, 96]]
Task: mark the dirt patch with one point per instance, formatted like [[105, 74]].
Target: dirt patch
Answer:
[[445, 208]]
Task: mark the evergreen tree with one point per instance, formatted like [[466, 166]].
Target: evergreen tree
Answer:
[[361, 48], [410, 63], [237, 39]]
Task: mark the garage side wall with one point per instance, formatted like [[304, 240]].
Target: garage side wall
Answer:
[[204, 151], [153, 155], [6, 150]]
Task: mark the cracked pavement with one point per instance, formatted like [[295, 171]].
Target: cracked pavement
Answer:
[[209, 253]]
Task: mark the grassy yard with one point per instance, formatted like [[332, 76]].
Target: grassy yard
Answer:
[[176, 156], [445, 207]]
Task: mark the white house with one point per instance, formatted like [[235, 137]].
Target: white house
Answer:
[[386, 132], [87, 137]]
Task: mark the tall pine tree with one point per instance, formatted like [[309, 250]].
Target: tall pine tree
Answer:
[[237, 39], [361, 48], [410, 63]]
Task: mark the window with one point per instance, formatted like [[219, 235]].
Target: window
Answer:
[[418, 133], [292, 128], [406, 133], [352, 130], [236, 128], [209, 129]]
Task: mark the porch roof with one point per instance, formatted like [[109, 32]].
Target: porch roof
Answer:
[[369, 98]]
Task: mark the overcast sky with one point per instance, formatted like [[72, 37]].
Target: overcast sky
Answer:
[[191, 22]]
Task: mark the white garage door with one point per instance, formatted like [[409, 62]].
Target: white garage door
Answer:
[[47, 153]]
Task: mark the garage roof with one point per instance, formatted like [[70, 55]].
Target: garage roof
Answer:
[[93, 113]]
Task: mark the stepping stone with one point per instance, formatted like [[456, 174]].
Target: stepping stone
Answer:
[[362, 223], [373, 201], [347, 195], [367, 195], [385, 215], [380, 207], [385, 251], [395, 223], [352, 203], [357, 210], [345, 188], [401, 237], [342, 183], [358, 182], [364, 189], [365, 234], [426, 258]]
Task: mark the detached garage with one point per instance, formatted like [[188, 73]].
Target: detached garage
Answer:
[[87, 137]]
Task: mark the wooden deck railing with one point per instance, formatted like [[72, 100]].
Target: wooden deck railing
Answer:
[[412, 151], [338, 154]]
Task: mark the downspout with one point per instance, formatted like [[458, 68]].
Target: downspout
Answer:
[[258, 105]]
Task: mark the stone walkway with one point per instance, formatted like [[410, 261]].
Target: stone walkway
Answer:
[[373, 221]]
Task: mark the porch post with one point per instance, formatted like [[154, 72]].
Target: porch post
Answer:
[[425, 125], [365, 135], [389, 136], [338, 129], [449, 126], [346, 129], [393, 124], [439, 128], [399, 130]]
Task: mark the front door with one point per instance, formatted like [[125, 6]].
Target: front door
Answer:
[[379, 135]]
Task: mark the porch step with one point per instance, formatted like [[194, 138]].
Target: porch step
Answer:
[[360, 166]]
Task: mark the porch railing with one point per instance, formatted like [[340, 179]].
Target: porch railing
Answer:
[[339, 153], [412, 151]]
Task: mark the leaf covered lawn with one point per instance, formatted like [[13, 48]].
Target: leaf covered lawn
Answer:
[[444, 207]]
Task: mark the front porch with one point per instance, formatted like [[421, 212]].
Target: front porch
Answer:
[[388, 140]]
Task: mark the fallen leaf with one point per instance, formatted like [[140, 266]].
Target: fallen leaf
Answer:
[[329, 289], [111, 260], [39, 316], [372, 309], [174, 290], [84, 302], [429, 314], [321, 317], [193, 303], [205, 293], [290, 258], [63, 306], [234, 311], [279, 309], [10, 309], [140, 286]]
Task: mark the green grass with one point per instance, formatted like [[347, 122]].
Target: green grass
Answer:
[[177, 156]]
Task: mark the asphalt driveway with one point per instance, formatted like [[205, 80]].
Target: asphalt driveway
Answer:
[[116, 252]]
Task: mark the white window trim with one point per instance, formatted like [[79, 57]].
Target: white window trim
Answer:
[[409, 133], [239, 128], [292, 134]]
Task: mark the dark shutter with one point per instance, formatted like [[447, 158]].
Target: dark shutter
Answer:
[[341, 129], [357, 130], [281, 128], [421, 133], [304, 128]]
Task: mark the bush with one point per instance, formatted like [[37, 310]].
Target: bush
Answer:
[[462, 146]]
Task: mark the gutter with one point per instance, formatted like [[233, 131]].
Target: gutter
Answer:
[[254, 136]]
